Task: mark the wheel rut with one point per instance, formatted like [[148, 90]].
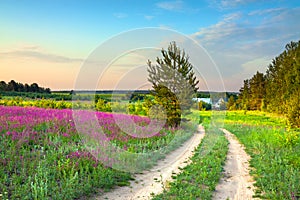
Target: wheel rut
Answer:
[[236, 182], [153, 181]]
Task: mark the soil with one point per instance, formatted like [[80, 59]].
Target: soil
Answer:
[[236, 183], [155, 180]]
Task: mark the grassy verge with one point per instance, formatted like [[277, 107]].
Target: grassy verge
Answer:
[[199, 179], [255, 118], [275, 153]]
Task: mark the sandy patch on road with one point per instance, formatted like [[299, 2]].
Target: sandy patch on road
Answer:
[[153, 181], [236, 184]]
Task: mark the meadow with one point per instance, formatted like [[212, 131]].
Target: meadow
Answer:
[[43, 153], [274, 149], [275, 158], [99, 102]]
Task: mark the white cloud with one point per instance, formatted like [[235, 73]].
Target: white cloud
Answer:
[[240, 44], [222, 29], [129, 70], [258, 64], [149, 17], [229, 4], [233, 3], [266, 11], [120, 15], [34, 52], [31, 47], [171, 5]]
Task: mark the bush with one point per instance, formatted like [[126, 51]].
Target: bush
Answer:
[[103, 105]]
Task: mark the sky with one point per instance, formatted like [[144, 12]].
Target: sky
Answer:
[[51, 42]]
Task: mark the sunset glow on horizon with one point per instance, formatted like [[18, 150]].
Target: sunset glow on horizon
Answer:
[[48, 42]]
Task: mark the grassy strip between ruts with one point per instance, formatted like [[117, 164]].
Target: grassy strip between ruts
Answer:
[[199, 179], [275, 157]]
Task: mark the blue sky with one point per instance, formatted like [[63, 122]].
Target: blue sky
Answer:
[[47, 41]]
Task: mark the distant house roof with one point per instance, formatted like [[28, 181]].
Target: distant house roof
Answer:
[[219, 103], [206, 100]]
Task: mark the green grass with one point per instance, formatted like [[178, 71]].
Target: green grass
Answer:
[[255, 118], [47, 174], [274, 151], [42, 155], [199, 179]]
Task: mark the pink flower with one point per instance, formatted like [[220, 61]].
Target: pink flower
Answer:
[[66, 135]]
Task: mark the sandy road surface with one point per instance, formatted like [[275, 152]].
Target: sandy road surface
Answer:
[[151, 181], [236, 184]]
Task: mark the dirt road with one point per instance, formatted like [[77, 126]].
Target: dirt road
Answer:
[[154, 180], [236, 184]]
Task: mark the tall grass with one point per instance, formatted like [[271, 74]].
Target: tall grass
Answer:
[[274, 151]]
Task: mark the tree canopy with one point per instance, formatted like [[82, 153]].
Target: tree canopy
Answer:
[[278, 90], [174, 82], [13, 86]]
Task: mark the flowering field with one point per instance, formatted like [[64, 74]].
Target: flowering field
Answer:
[[43, 156]]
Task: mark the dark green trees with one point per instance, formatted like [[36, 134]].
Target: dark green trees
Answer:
[[283, 84], [244, 97], [253, 92], [3, 86], [279, 89], [13, 86], [231, 105], [174, 82], [257, 91]]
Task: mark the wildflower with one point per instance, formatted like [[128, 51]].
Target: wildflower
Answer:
[[66, 135]]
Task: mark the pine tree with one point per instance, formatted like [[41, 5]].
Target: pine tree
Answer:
[[231, 103], [257, 91], [279, 89], [174, 82], [244, 97]]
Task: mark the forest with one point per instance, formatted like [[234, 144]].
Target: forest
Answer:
[[14, 86], [277, 90]]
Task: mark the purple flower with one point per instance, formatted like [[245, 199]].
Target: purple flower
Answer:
[[66, 135]]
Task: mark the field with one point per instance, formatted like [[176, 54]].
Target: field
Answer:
[[274, 151], [44, 155]]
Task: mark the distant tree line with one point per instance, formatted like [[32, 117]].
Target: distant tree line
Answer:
[[278, 90], [13, 86]]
